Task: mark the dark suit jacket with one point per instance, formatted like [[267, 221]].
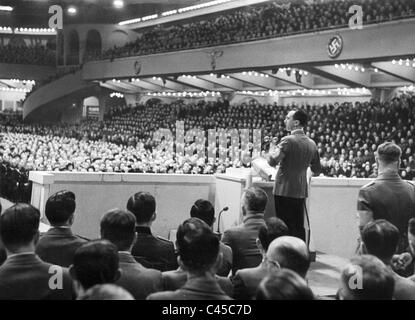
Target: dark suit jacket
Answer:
[[227, 261], [154, 252], [404, 288], [246, 281], [175, 279], [300, 152], [390, 198], [58, 246], [242, 240], [26, 277], [194, 289], [136, 279]]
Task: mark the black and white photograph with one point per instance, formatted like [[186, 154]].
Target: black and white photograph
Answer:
[[181, 150]]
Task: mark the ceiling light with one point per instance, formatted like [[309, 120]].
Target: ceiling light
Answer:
[[118, 4], [72, 10], [6, 8]]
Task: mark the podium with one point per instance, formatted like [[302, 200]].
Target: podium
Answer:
[[229, 190]]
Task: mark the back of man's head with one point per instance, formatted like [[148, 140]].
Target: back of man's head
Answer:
[[203, 210], [96, 262], [367, 278], [118, 226], [273, 229], [143, 206], [60, 207], [381, 238], [284, 285], [290, 253], [301, 116], [198, 246], [254, 200], [388, 153], [107, 291], [19, 226]]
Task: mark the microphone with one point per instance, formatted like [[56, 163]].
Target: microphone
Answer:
[[224, 209]]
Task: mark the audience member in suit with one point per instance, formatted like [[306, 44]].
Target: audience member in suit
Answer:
[[388, 197], [246, 281], [95, 262], [151, 251], [107, 291], [381, 238], [242, 238], [204, 210], [199, 256], [283, 284], [289, 253], [58, 244], [118, 227], [175, 279], [24, 276], [366, 278]]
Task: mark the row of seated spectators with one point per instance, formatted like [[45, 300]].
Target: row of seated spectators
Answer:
[[37, 55], [346, 135], [269, 19], [258, 259]]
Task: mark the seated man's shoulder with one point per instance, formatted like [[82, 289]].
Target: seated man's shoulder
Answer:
[[369, 185], [164, 242], [165, 295]]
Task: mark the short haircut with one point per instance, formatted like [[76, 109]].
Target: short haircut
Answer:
[[389, 152], [377, 281], [255, 199], [197, 245], [291, 253], [142, 205], [19, 224], [284, 284], [96, 262], [107, 291], [274, 228], [301, 116], [411, 226], [381, 239], [203, 210], [60, 207], [118, 226]]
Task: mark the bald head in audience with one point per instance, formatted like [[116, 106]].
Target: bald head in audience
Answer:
[[290, 253]]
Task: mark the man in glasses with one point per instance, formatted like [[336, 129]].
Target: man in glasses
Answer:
[[59, 243], [246, 281]]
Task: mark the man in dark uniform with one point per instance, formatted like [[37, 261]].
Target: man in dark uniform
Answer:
[[149, 250], [59, 243], [388, 197], [295, 153]]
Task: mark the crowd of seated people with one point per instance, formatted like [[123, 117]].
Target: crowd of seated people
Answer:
[[346, 135], [36, 55], [269, 19], [268, 263]]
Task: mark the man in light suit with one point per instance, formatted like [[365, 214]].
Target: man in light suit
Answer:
[[294, 154], [199, 256], [242, 238], [24, 276], [59, 243], [118, 227]]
